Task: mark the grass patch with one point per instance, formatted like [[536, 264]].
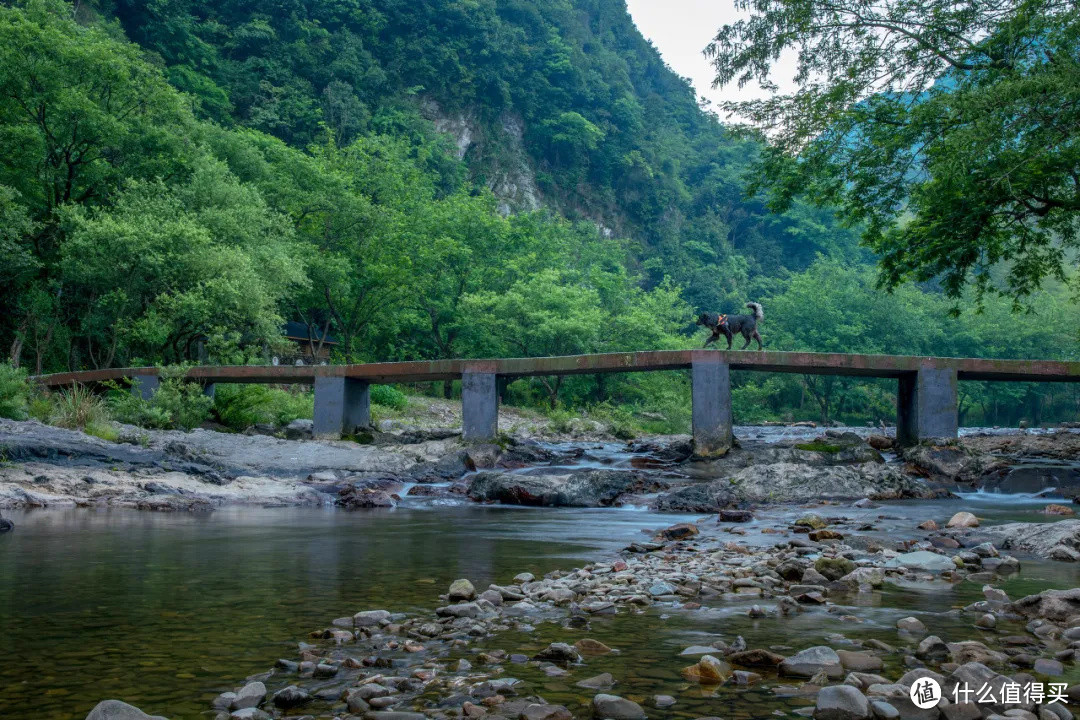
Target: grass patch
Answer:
[[78, 407], [819, 446]]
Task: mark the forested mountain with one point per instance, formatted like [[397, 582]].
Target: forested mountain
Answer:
[[420, 179], [557, 101]]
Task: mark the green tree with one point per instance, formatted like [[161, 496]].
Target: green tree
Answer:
[[947, 130]]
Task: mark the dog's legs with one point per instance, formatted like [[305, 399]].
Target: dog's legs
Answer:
[[713, 339], [758, 338], [746, 336]]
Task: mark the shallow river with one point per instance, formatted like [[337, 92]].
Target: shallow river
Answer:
[[166, 611]]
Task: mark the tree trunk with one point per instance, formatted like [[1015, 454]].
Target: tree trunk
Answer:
[[448, 389]]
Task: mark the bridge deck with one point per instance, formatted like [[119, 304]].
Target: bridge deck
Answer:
[[885, 366]]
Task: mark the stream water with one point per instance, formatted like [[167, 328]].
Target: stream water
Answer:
[[167, 610]]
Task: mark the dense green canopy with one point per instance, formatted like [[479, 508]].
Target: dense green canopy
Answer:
[[949, 131], [179, 178]]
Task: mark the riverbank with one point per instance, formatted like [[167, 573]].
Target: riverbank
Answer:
[[46, 466]]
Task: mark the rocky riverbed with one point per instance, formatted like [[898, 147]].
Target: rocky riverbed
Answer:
[[788, 539], [455, 662]]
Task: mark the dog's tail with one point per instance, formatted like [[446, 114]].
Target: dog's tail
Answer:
[[759, 313]]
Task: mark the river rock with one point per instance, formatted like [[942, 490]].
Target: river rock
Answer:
[[584, 488], [699, 497], [613, 707], [973, 651], [834, 568], [1036, 538], [707, 671], [756, 658], [290, 697], [6, 525], [841, 702], [371, 618], [588, 646], [932, 649], [299, 429], [962, 520], [856, 661], [953, 462], [883, 710], [681, 531], [735, 516], [597, 682], [362, 498], [922, 560], [792, 482], [811, 661], [881, 442], [544, 711], [460, 590], [560, 654], [117, 710], [911, 625], [251, 695], [1058, 606]]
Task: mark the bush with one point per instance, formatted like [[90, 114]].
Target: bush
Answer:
[[177, 403], [389, 396], [14, 392], [78, 408], [242, 406]]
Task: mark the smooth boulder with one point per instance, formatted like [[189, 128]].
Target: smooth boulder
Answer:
[[842, 702], [117, 710]]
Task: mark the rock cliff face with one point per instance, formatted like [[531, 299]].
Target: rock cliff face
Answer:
[[497, 150]]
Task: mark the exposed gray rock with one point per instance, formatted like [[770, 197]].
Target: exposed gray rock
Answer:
[[586, 488], [698, 497], [1055, 605], [613, 707], [790, 482], [1037, 538], [117, 710], [842, 702], [811, 661], [922, 560]]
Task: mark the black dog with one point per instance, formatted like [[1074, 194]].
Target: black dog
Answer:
[[730, 325]]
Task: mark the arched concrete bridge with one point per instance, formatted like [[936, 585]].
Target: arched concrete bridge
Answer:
[[926, 397]]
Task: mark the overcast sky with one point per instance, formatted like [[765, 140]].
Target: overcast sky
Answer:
[[681, 29]]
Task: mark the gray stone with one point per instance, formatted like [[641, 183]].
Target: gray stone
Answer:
[[560, 654], [613, 707], [883, 710], [290, 697], [117, 710], [461, 589], [371, 618], [911, 625], [597, 682], [841, 702], [251, 695], [811, 661], [922, 560]]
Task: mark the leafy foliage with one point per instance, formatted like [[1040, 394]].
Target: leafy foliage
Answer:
[[946, 130], [14, 393]]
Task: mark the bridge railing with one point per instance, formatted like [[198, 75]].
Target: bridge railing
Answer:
[[926, 386]]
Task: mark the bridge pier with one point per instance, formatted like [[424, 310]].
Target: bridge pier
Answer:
[[342, 406], [926, 405], [710, 392], [479, 403], [144, 386]]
